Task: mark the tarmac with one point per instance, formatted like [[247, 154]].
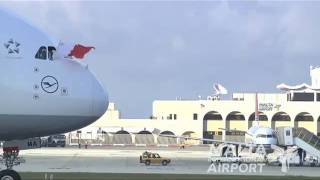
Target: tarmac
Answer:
[[126, 160]]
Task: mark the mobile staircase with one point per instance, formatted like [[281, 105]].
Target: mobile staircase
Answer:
[[300, 137]]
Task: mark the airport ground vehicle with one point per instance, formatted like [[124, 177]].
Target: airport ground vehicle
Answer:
[[311, 161], [54, 141], [57, 140], [153, 158]]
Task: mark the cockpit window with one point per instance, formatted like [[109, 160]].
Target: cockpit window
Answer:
[[42, 53], [266, 136], [51, 51], [261, 136]]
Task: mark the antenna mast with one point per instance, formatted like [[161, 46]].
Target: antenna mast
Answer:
[[256, 114]]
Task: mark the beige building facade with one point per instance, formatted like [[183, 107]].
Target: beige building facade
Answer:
[[296, 106], [208, 118]]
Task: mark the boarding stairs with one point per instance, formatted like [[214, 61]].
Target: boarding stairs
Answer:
[[307, 141]]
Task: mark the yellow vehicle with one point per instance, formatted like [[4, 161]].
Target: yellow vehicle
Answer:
[[153, 158]]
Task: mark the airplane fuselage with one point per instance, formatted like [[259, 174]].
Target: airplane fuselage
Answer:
[[40, 97], [30, 108]]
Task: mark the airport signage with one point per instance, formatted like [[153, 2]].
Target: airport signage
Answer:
[[269, 107]]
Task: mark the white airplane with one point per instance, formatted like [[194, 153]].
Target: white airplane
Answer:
[[255, 136], [40, 94]]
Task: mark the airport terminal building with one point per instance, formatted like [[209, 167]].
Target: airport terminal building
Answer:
[[296, 106]]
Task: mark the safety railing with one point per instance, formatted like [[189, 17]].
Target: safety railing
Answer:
[[307, 137]]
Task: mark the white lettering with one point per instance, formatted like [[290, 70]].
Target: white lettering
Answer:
[[225, 168], [261, 149], [212, 168], [243, 168], [252, 168], [228, 151], [260, 167], [234, 167]]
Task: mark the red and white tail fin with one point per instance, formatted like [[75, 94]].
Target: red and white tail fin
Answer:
[[69, 50], [256, 114]]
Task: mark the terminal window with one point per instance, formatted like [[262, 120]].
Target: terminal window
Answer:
[[195, 116], [302, 97], [235, 133]]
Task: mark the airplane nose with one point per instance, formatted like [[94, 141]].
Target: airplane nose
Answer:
[[100, 99]]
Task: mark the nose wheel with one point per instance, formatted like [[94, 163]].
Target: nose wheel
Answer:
[[9, 174], [9, 159]]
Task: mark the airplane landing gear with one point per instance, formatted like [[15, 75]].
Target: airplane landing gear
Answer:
[[9, 174], [9, 159]]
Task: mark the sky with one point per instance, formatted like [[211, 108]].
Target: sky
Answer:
[[162, 50]]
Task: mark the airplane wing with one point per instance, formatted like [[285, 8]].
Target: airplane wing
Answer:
[[209, 140], [234, 130]]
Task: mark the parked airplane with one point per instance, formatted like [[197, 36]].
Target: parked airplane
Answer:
[[41, 94]]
